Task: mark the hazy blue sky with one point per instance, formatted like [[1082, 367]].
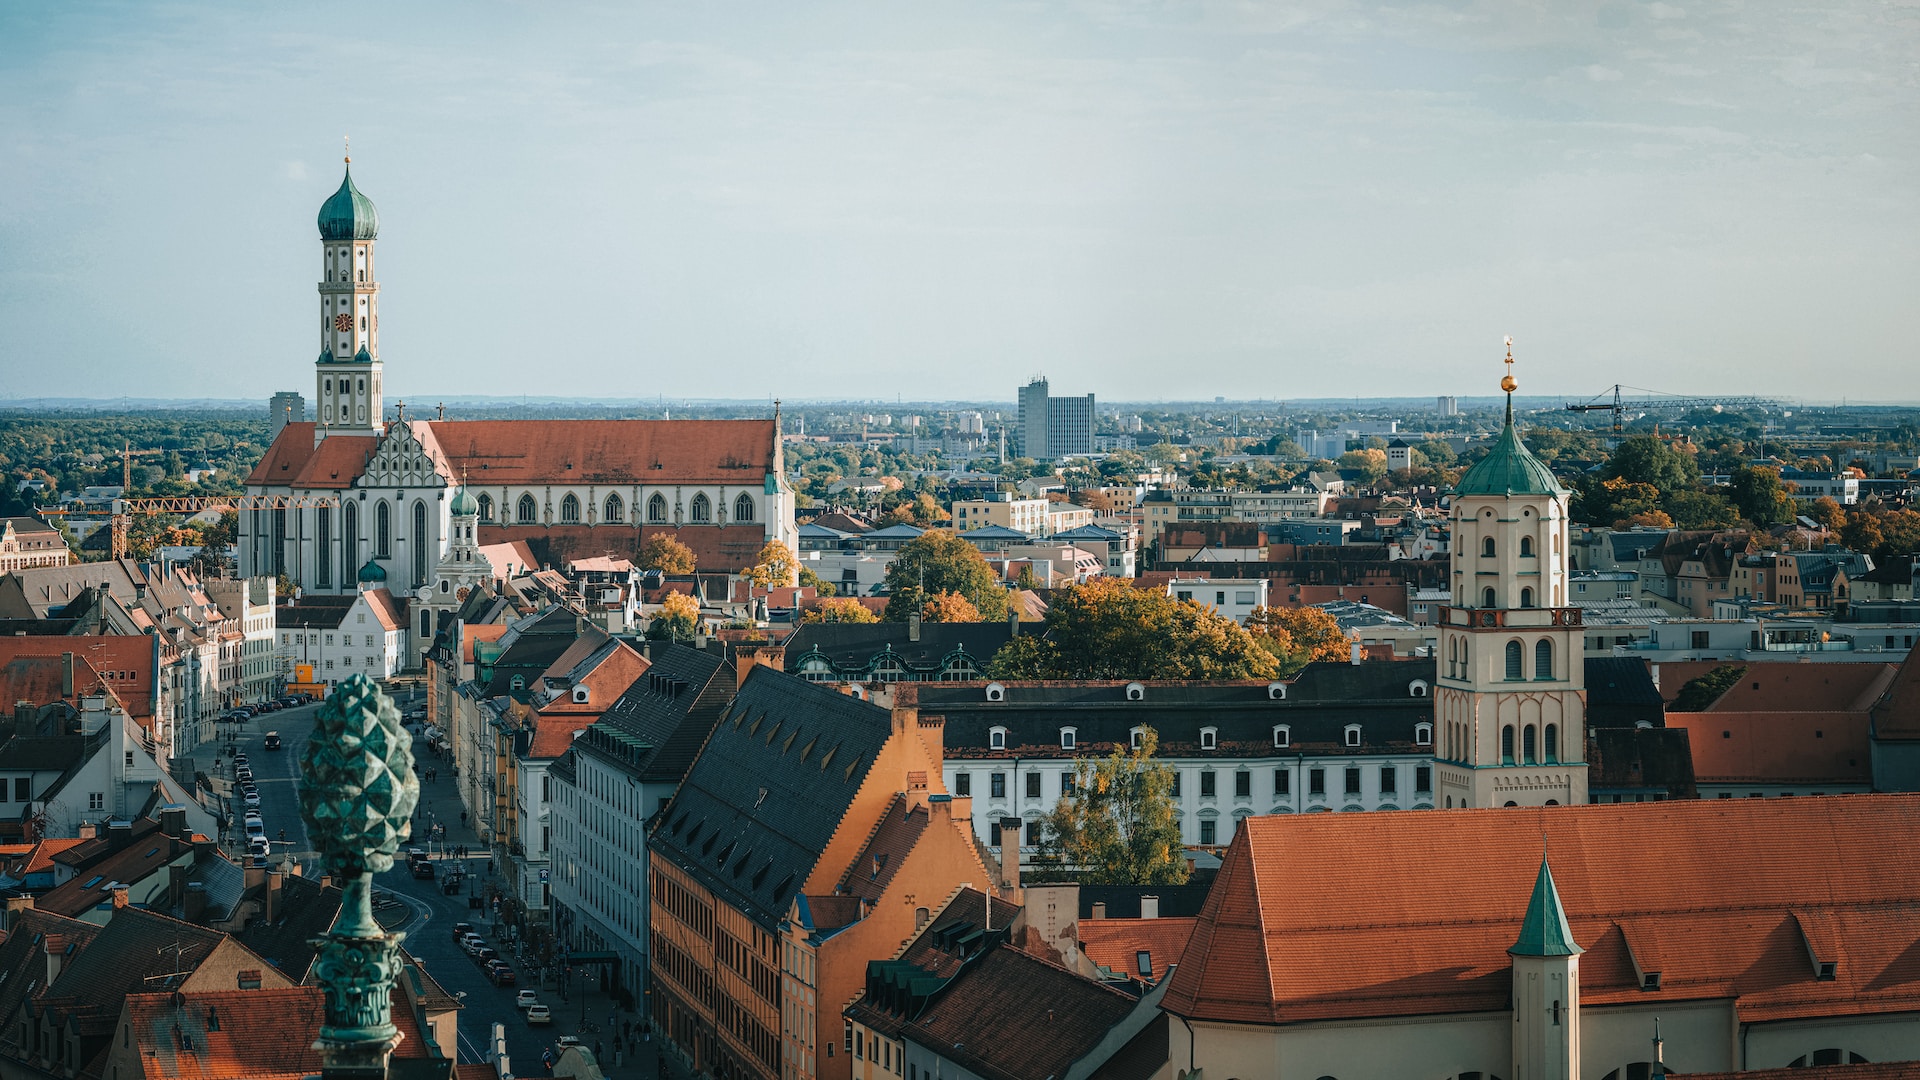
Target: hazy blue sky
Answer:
[[1143, 200]]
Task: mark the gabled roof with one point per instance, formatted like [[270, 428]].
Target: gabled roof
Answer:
[[294, 461], [23, 956], [1116, 944], [901, 531], [263, 1034], [656, 728], [137, 950], [1422, 925], [887, 848], [303, 914], [993, 532], [491, 453], [1778, 747], [770, 789]]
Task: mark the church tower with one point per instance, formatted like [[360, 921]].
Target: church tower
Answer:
[[1511, 700], [1546, 989], [347, 375]]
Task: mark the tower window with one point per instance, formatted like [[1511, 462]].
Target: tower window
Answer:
[[1528, 737], [1486, 597], [1553, 744], [1514, 660], [1486, 548], [382, 530], [1506, 745], [1543, 659], [1526, 547], [1526, 598]]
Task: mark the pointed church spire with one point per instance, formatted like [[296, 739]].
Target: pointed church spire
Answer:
[[1544, 932]]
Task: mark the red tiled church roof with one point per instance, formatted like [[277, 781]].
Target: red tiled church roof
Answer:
[[607, 451], [1398, 914], [294, 461]]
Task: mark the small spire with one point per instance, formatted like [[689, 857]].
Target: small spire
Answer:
[[346, 149], [1507, 381], [1544, 930]]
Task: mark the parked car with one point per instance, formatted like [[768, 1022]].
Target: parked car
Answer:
[[539, 1015], [461, 930], [473, 943], [486, 954], [240, 761], [526, 999], [259, 848], [501, 974], [251, 798]]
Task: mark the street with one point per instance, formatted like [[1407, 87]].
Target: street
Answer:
[[428, 927]]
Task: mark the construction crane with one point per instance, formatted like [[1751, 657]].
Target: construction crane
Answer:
[[126, 464], [124, 509], [1619, 404]]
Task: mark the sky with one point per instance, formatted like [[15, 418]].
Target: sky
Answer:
[[1140, 200]]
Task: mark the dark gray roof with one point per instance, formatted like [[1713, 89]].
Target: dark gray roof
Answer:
[[1386, 699], [1627, 546], [1620, 680], [529, 649], [769, 789], [656, 728], [854, 648], [1123, 901]]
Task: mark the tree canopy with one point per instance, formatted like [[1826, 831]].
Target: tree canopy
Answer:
[[839, 609], [1644, 459], [774, 566], [938, 561], [665, 554], [1117, 825], [677, 620], [1298, 636], [1761, 496], [949, 607], [1107, 629]]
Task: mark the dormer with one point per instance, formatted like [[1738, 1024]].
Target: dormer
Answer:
[[581, 695], [1823, 943], [1276, 691], [1136, 691], [1647, 950], [996, 692]]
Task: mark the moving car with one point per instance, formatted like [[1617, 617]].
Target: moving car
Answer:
[[461, 930], [501, 974], [526, 999], [271, 742], [538, 1015]]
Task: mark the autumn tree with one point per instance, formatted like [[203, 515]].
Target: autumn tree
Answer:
[[949, 607], [1613, 501], [811, 580], [937, 561], [922, 510], [677, 620], [774, 566], [1298, 636], [839, 609], [1118, 824], [667, 555], [1107, 629], [1827, 512], [1094, 499]]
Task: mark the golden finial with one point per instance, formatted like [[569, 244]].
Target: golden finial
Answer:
[[1507, 382], [346, 149]]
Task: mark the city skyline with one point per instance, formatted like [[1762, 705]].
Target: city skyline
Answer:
[[1256, 203]]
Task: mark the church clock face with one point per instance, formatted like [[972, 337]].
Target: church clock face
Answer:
[[343, 322], [462, 593]]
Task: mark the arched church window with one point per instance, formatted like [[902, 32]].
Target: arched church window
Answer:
[[1486, 548], [1552, 746], [657, 508], [382, 530], [1514, 659], [349, 542], [419, 543], [426, 624], [702, 509], [1529, 736], [486, 508], [1506, 745], [529, 513], [1526, 547], [323, 543], [1486, 597], [570, 510], [743, 508], [616, 509], [1526, 597], [1543, 659]]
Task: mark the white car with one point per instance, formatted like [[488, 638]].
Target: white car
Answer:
[[526, 999], [539, 1014], [256, 829], [251, 798]]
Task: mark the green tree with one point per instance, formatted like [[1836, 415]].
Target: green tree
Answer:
[[666, 554], [1760, 495], [1702, 692], [937, 561], [1701, 510], [811, 580], [1613, 501], [1644, 459], [1107, 629], [1118, 825]]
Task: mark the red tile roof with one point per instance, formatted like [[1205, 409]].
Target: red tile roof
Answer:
[[1778, 747], [228, 1034], [716, 548], [1785, 686], [1116, 944], [1422, 924], [1897, 714], [616, 452], [294, 461], [887, 847]]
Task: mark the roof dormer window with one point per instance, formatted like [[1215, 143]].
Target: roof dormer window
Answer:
[[1353, 735], [1068, 738], [1209, 738], [1282, 736], [997, 738]]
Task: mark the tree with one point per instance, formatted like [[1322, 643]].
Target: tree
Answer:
[[1644, 459], [840, 609], [1882, 533], [811, 580], [937, 561], [1700, 510], [1699, 693], [677, 620], [667, 555], [1604, 502], [1107, 629], [1827, 512], [1760, 495], [1118, 825], [1299, 636], [1094, 499], [1027, 579], [1371, 461], [949, 607], [773, 567], [921, 510]]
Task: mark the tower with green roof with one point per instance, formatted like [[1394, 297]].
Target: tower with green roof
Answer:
[[1510, 705], [1546, 988], [347, 374]]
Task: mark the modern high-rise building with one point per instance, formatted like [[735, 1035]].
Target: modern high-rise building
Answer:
[[1053, 427], [1448, 405], [285, 407]]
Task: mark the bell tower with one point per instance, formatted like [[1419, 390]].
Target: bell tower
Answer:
[[347, 374], [1510, 705]]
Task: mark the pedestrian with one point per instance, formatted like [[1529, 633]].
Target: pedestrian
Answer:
[[598, 1048]]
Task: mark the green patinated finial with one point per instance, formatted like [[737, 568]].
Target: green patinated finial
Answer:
[[357, 797]]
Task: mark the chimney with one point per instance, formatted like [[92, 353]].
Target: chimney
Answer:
[[56, 951], [177, 885], [66, 674], [272, 897], [194, 901], [1013, 622], [119, 833], [88, 830], [1359, 652], [1010, 852], [913, 631], [15, 905], [1099, 909], [119, 897], [254, 876], [1149, 907], [173, 821]]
